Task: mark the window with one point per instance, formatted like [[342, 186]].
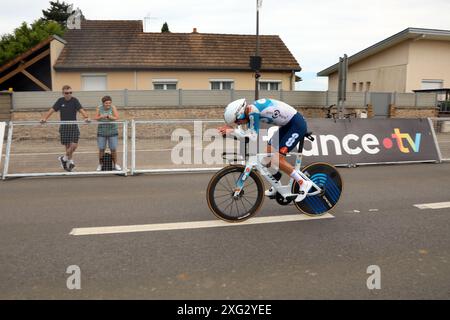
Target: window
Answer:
[[368, 86], [222, 84], [93, 82], [165, 84], [354, 86], [432, 84], [361, 86], [269, 85]]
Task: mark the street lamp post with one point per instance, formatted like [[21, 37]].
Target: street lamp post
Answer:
[[255, 61], [257, 75]]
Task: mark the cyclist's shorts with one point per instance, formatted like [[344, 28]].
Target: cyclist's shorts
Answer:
[[289, 135]]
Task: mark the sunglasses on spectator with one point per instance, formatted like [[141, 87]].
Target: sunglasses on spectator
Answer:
[[68, 92]]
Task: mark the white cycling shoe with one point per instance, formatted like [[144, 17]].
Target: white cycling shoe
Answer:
[[271, 192], [304, 189]]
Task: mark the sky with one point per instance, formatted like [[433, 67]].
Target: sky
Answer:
[[317, 32]]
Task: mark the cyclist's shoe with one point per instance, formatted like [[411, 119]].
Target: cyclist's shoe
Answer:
[[271, 192], [304, 189]]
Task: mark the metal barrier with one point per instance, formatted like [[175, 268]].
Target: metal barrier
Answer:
[[441, 128], [190, 145], [32, 148], [178, 145], [2, 134]]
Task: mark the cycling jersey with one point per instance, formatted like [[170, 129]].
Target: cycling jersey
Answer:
[[292, 125], [273, 111], [269, 111]]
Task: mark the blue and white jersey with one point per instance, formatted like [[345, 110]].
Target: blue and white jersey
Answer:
[[270, 111]]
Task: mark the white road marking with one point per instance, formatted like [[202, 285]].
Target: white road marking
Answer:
[[434, 206], [191, 225]]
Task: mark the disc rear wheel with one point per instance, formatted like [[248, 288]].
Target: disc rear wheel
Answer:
[[329, 180]]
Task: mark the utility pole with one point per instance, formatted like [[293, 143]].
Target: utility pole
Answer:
[[256, 61], [342, 87]]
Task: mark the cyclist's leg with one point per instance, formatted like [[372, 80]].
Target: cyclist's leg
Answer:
[[294, 132], [287, 140], [279, 160]]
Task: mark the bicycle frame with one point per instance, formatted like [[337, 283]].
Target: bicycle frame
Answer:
[[254, 162]]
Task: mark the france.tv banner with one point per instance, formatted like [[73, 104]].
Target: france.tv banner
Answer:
[[364, 141]]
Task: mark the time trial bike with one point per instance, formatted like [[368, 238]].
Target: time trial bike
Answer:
[[236, 192]]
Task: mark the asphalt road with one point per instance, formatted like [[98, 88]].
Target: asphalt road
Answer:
[[375, 223]]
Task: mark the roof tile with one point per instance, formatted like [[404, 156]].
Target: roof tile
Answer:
[[122, 44]]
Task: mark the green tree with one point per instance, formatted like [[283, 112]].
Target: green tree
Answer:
[[165, 27], [57, 12], [25, 37]]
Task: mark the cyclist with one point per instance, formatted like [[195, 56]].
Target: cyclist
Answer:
[[292, 130]]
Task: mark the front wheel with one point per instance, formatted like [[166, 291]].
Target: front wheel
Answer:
[[219, 194], [329, 180]]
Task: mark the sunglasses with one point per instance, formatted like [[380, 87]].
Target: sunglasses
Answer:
[[68, 92]]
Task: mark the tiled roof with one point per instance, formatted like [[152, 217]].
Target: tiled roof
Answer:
[[119, 44], [19, 58]]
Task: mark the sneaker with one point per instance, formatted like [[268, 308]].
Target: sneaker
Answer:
[[304, 189], [117, 167], [63, 163], [70, 166], [99, 167], [271, 192]]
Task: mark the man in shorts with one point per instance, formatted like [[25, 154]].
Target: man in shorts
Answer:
[[68, 106]]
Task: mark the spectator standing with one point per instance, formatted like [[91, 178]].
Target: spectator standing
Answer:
[[108, 133], [68, 106]]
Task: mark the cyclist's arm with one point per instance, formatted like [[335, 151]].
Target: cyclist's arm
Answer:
[[252, 131]]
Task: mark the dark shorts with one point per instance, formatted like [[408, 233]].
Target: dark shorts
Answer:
[[69, 133], [288, 136]]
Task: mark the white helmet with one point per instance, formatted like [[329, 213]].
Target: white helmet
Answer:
[[234, 111]]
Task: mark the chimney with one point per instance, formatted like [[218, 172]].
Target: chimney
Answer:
[[194, 30]]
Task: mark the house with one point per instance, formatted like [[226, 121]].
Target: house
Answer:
[[413, 59], [118, 54], [31, 71]]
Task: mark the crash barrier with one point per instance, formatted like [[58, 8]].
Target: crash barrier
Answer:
[[190, 145], [441, 128], [184, 145], [2, 135], [33, 148]]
